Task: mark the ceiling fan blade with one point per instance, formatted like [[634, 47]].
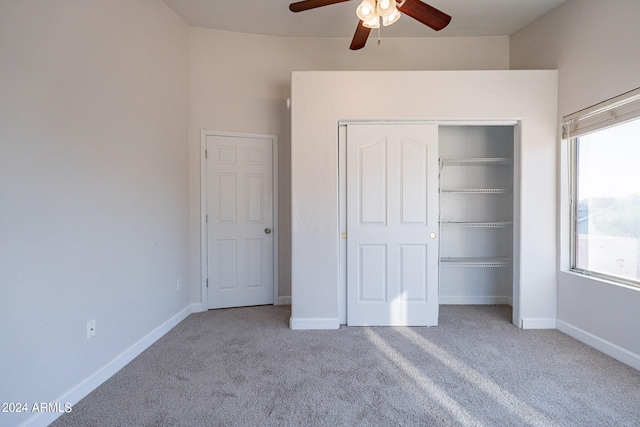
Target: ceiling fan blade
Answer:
[[428, 15], [300, 6], [360, 37]]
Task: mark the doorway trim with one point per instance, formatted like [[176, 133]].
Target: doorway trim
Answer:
[[204, 133]]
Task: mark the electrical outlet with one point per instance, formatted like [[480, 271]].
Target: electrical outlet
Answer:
[[179, 285], [91, 328]]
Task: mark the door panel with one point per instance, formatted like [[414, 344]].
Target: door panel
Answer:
[[373, 276], [255, 199], [392, 209], [413, 202], [413, 272], [240, 218], [227, 259], [373, 183], [227, 198]]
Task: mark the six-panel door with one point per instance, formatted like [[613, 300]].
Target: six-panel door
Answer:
[[240, 221]]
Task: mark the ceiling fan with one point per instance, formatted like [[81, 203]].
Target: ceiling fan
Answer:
[[371, 12]]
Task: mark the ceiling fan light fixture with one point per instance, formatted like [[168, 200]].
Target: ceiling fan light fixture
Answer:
[[372, 23], [391, 18], [366, 10], [385, 7], [371, 12]]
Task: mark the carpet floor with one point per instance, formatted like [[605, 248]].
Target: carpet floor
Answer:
[[245, 367]]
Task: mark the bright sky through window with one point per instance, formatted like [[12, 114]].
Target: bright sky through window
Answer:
[[607, 214], [611, 160]]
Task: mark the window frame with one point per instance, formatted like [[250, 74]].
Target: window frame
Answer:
[[573, 218], [613, 112]]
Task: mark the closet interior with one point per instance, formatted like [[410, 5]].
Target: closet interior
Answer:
[[476, 214]]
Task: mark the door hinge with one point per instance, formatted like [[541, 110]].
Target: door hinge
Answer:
[[207, 283], [206, 219], [205, 153]]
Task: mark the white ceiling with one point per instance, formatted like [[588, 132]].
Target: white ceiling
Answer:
[[470, 18]]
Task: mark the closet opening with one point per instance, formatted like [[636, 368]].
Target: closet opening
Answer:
[[478, 223], [478, 215]]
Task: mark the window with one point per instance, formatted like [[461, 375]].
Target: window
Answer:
[[605, 189]]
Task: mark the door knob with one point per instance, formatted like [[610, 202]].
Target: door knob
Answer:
[[267, 230], [432, 235]]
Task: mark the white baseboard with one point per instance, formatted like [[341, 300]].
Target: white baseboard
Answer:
[[475, 300], [533, 323], [81, 390], [310, 323], [284, 300], [197, 307], [608, 348]]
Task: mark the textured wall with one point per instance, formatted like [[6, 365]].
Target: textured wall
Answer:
[[93, 187], [594, 45], [321, 99], [240, 83]]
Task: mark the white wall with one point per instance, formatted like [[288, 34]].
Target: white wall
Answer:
[[240, 83], [321, 99], [594, 45], [94, 197]]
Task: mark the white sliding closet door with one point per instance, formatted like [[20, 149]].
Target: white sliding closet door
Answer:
[[392, 224]]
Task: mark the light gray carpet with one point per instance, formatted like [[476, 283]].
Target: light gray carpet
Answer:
[[244, 367]]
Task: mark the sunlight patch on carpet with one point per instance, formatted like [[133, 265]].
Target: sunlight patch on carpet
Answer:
[[425, 383], [526, 412]]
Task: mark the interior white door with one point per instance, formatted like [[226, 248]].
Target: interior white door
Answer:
[[239, 209], [392, 224]]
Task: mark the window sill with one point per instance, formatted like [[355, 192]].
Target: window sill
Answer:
[[598, 279]]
